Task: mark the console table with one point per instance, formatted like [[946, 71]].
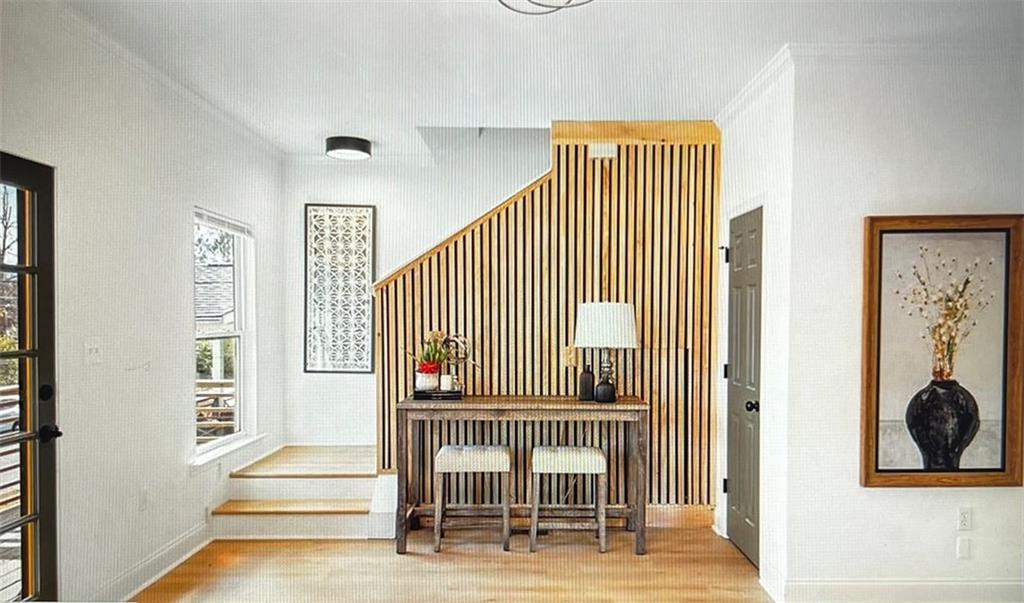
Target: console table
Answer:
[[632, 412]]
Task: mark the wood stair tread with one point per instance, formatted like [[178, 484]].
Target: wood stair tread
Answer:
[[311, 462], [302, 506]]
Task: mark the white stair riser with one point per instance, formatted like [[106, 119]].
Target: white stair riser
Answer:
[[381, 526], [259, 488], [290, 526], [382, 507]]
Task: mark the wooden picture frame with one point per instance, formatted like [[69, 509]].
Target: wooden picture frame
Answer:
[[887, 313]]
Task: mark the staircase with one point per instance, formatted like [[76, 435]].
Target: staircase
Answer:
[[308, 492]]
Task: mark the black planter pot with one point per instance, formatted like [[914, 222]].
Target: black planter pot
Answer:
[[943, 420]]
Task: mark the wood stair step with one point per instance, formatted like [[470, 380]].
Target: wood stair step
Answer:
[[295, 507], [312, 462]]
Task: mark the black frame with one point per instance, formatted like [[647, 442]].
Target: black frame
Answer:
[[305, 288], [39, 179]]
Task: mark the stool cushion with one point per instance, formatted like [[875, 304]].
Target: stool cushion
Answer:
[[473, 459], [569, 459]]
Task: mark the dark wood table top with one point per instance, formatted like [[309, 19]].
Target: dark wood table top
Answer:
[[563, 403]]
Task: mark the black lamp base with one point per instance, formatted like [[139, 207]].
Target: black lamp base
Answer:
[[604, 391]]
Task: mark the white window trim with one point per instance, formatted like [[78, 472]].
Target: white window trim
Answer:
[[247, 402], [224, 447]]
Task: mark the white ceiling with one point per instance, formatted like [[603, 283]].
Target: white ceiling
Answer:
[[296, 72]]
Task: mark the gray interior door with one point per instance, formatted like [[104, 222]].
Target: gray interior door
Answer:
[[744, 435]]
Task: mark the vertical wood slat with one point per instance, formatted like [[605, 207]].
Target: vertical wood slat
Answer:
[[639, 228]]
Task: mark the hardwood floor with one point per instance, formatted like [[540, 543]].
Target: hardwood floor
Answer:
[[682, 565], [313, 462]]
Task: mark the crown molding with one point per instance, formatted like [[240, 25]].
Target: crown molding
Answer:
[[74, 22], [779, 64], [886, 50], [411, 160], [790, 55]]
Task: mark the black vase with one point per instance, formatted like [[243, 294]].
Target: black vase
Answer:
[[605, 391], [943, 420], [586, 386]]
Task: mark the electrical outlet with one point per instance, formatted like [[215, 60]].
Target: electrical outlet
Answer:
[[964, 519], [963, 547]]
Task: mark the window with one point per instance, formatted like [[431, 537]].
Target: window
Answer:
[[221, 333]]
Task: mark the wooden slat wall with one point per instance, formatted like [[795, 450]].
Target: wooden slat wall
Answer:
[[638, 228]]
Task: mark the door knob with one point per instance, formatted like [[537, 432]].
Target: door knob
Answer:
[[753, 406], [48, 433]]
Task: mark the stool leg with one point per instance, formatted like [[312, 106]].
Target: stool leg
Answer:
[[506, 510], [602, 504], [438, 509], [534, 511]]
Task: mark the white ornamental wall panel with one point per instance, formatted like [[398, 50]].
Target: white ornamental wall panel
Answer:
[[339, 280]]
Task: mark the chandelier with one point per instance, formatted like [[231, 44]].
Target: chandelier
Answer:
[[541, 7]]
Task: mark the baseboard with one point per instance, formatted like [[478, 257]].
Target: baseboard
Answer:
[[904, 591], [772, 583], [144, 573], [680, 516]]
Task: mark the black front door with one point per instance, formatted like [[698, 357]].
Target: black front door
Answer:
[[28, 432]]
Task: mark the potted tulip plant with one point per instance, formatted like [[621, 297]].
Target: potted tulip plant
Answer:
[[429, 361]]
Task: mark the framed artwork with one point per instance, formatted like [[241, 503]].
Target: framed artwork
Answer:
[[339, 296], [943, 344]]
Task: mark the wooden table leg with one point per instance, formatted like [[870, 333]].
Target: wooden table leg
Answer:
[[641, 485], [416, 476], [631, 454], [402, 468]]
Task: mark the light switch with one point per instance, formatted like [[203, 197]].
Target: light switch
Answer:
[[94, 350]]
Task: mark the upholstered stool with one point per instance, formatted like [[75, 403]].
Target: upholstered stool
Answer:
[[472, 459], [570, 460]]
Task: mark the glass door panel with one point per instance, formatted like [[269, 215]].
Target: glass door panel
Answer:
[[27, 406]]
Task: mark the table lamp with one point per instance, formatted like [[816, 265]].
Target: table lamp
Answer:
[[605, 326]]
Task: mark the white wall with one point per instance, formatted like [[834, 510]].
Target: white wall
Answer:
[[419, 202], [854, 131], [887, 131], [133, 154], [757, 171]]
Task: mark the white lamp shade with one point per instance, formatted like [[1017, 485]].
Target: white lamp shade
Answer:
[[605, 325]]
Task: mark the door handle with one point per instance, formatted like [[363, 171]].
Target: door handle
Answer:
[[49, 432], [753, 406]]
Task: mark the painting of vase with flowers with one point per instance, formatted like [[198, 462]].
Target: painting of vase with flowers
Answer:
[[940, 326]]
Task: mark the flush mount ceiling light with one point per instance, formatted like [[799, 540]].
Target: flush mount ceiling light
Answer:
[[541, 7], [348, 148]]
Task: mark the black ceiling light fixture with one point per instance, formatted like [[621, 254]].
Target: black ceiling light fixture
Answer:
[[541, 7], [348, 148]]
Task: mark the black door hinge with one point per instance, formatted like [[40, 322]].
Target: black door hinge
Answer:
[[726, 250], [725, 486], [725, 371]]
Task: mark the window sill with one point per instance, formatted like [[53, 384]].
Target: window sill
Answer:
[[204, 458]]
